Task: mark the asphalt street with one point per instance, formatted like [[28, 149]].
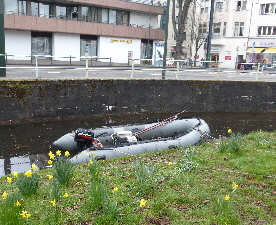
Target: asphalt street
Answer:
[[80, 72]]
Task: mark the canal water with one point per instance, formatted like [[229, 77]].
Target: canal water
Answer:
[[23, 143]]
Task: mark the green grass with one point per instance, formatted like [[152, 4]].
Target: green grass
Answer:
[[179, 186]]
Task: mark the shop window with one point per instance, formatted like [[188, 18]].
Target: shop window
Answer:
[[88, 46], [41, 43]]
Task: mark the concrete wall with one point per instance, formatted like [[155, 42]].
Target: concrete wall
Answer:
[[62, 98]]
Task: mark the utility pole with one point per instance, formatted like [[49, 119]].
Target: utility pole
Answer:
[[166, 40], [210, 33], [2, 40]]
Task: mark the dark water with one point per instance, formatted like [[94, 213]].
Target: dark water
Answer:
[[21, 143]]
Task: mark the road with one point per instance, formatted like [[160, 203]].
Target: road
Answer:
[[78, 72]]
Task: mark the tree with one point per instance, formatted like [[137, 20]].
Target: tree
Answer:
[[180, 25]]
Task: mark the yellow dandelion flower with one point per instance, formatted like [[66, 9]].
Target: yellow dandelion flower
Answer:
[[229, 131], [170, 163], [66, 153], [143, 203], [17, 203], [34, 167], [93, 154], [58, 152], [50, 177], [66, 195], [5, 194], [50, 162], [53, 202], [86, 153], [15, 174], [227, 197], [115, 189], [28, 173], [235, 186], [50, 153], [9, 179]]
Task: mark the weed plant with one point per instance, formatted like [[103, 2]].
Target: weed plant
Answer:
[[231, 145]]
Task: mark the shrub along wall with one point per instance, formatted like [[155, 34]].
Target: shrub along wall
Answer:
[[62, 98]]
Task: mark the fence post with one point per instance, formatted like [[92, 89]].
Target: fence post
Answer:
[[177, 70], [110, 61], [258, 69], [70, 60], [86, 66], [218, 74], [132, 68], [36, 67], [91, 60]]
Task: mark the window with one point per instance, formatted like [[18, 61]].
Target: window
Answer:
[[60, 12], [45, 10], [88, 45], [22, 8], [216, 29], [34, 8], [41, 43], [266, 31], [122, 17], [202, 29], [72, 12], [201, 10], [104, 16], [11, 7], [224, 29], [268, 8], [219, 6], [239, 29], [112, 16], [241, 5], [206, 10], [176, 19]]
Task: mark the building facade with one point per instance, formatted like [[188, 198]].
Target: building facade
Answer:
[[120, 29], [242, 30]]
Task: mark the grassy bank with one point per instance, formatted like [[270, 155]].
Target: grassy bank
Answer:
[[227, 182]]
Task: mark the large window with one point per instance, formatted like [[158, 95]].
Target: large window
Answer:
[[268, 8], [266, 31], [45, 10], [122, 18], [11, 6], [88, 46], [239, 29]]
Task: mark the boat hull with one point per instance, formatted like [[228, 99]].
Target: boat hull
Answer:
[[171, 129], [193, 136]]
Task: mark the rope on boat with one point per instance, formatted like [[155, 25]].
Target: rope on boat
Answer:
[[163, 122]]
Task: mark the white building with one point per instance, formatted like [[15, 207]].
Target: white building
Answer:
[[120, 29], [241, 30]]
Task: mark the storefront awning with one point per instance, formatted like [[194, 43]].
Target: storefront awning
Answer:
[[256, 50], [262, 50]]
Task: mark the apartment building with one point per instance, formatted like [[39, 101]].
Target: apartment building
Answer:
[[242, 30], [120, 29]]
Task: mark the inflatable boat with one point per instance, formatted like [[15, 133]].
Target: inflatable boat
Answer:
[[112, 142]]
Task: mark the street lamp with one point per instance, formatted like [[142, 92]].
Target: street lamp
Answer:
[[2, 40], [166, 40], [210, 34]]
